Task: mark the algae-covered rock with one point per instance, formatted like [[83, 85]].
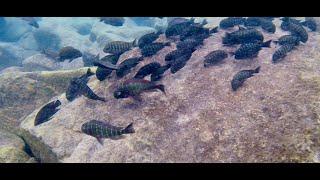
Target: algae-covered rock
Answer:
[[39, 62], [273, 117]]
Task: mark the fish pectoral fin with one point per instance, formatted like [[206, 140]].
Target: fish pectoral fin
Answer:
[[100, 140]]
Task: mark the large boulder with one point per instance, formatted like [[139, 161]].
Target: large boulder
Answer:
[[274, 117], [39, 62]]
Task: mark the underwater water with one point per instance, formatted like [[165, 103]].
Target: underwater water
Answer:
[[159, 89]]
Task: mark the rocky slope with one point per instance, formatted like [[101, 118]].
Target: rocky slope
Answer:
[[274, 117]]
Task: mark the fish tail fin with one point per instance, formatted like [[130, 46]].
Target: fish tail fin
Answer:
[[129, 129], [161, 88], [89, 72], [257, 70], [266, 44], [214, 30], [135, 42]]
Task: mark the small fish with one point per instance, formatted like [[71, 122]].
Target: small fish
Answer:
[[231, 22], [103, 73], [148, 39], [134, 87], [282, 52], [242, 36], [100, 129], [176, 53], [147, 69], [250, 50], [288, 39], [241, 77], [179, 63], [31, 21], [118, 47], [46, 112], [298, 30], [157, 74], [175, 29], [126, 66], [214, 57], [188, 44], [193, 30], [114, 21], [70, 53], [310, 23], [78, 86], [267, 25], [153, 48], [50, 53]]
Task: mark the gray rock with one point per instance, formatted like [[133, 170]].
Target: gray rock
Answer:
[[39, 62]]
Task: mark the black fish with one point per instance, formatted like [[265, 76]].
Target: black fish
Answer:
[[310, 23], [298, 30], [101, 72], [267, 25], [241, 77], [70, 53], [288, 39], [157, 75], [193, 30], [148, 39], [118, 47], [126, 66], [179, 63], [105, 64], [99, 130], [176, 53], [46, 112], [177, 28], [242, 36], [188, 44], [282, 52], [153, 48], [250, 50], [214, 57], [78, 86], [114, 21], [147, 69], [231, 22]]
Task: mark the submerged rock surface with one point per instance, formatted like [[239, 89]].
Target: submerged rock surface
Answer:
[[273, 117]]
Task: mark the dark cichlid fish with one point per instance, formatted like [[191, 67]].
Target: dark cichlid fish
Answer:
[[214, 57], [148, 39], [178, 20], [194, 30], [177, 53], [298, 30], [177, 28], [253, 21], [113, 21], [103, 73], [157, 74], [46, 112], [250, 50], [267, 25], [286, 21], [310, 23], [70, 53], [241, 77], [134, 87], [78, 86], [153, 48], [242, 36], [126, 66], [99, 129], [288, 39], [282, 52], [147, 69], [179, 63], [118, 47], [231, 22], [188, 44]]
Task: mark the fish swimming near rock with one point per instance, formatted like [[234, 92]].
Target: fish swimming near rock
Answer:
[[114, 21], [298, 30], [193, 30], [241, 77], [267, 25], [31, 21], [46, 112], [310, 23], [101, 72], [89, 58], [250, 50], [134, 87], [242, 36], [231, 22], [288, 39], [189, 44], [126, 66], [105, 64], [153, 48], [214, 57], [147, 69], [157, 74], [69, 52], [176, 53], [118, 47], [286, 21], [148, 39], [78, 87], [100, 129], [282, 52], [179, 63], [175, 29]]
